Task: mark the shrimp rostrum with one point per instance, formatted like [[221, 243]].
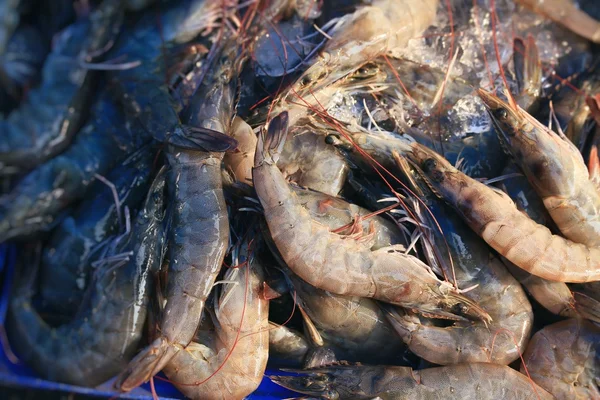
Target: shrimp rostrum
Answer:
[[344, 266], [104, 335]]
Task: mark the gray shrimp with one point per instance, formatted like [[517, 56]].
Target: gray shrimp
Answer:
[[53, 113], [341, 266], [479, 381], [98, 343], [564, 359]]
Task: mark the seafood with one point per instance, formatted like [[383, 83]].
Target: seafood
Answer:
[[566, 13], [231, 363], [494, 217], [499, 340], [556, 297], [241, 160], [480, 381], [353, 327], [101, 339], [343, 266], [38, 200], [77, 241], [555, 169], [564, 359], [287, 347], [61, 103], [199, 232]]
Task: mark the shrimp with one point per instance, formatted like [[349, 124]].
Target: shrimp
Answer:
[[287, 347], [555, 169], [199, 232], [556, 297], [59, 106], [231, 364], [500, 339], [480, 381], [494, 217], [38, 201], [241, 160], [311, 163], [370, 31], [75, 244], [343, 266], [355, 328], [567, 14], [564, 359], [98, 343]]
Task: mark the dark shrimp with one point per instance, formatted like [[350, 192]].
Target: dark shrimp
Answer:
[[46, 123], [99, 342], [76, 242], [39, 199]]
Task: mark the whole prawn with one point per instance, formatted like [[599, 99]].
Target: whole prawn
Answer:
[[229, 364], [500, 339], [564, 359], [555, 169], [98, 343], [341, 266], [494, 217], [480, 381]]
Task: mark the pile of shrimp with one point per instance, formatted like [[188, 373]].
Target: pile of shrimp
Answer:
[[392, 199]]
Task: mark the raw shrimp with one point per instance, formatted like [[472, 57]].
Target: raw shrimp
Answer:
[[479, 381], [555, 169], [564, 359], [494, 217], [46, 123], [287, 347], [567, 14], [499, 340], [102, 338], [370, 31], [77, 241], [556, 297], [343, 266], [355, 328], [311, 163], [199, 232], [241, 160], [37, 201], [231, 364]]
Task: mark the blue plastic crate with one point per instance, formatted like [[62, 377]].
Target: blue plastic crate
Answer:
[[18, 375]]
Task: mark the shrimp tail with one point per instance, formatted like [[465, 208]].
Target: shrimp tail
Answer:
[[146, 364], [270, 144], [201, 139], [587, 307]]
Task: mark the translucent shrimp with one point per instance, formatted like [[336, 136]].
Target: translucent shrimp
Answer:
[[241, 160], [555, 169], [287, 347], [479, 381], [230, 364], [564, 359], [99, 342], [344, 266], [499, 340], [494, 217]]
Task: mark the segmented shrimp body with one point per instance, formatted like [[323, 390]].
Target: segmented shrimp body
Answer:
[[338, 265], [494, 216]]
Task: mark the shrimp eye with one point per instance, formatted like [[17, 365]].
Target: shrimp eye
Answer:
[[502, 114], [429, 165]]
